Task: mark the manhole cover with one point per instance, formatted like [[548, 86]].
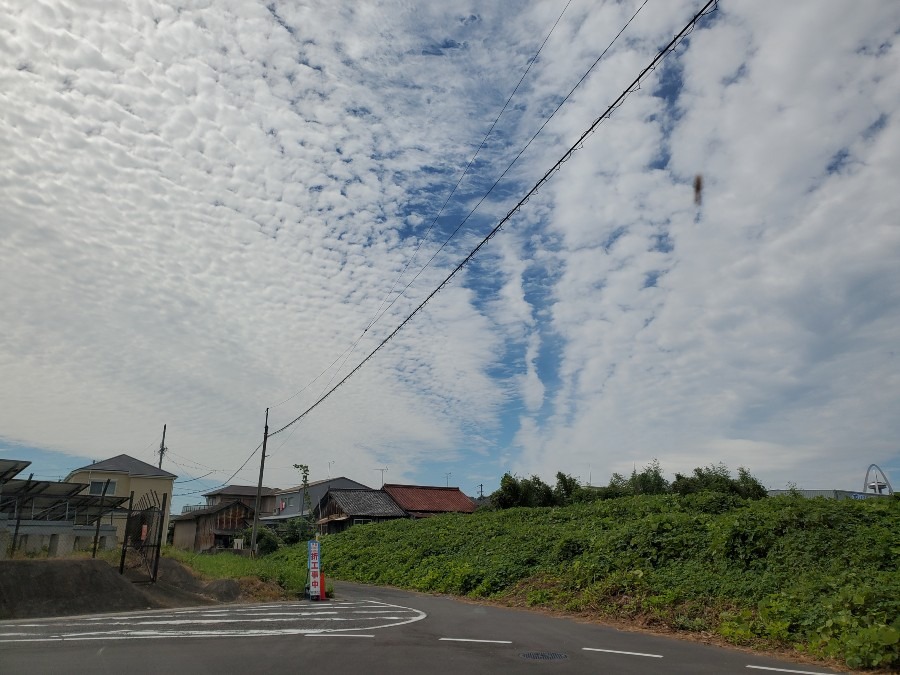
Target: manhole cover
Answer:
[[544, 656]]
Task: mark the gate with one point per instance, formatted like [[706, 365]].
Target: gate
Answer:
[[144, 531]]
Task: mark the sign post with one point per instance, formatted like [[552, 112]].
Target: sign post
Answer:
[[316, 591]]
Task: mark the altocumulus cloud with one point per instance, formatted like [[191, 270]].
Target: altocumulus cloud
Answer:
[[205, 204]]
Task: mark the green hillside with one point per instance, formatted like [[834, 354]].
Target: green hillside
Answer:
[[819, 575]]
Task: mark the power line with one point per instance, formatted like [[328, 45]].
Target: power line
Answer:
[[378, 313], [634, 86], [513, 162]]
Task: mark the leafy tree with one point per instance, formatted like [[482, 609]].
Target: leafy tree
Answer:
[[649, 481], [522, 492], [566, 489]]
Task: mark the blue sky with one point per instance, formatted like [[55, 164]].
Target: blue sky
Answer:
[[205, 205]]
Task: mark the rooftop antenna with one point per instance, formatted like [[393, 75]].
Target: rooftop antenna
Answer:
[[329, 468], [447, 476], [382, 475]]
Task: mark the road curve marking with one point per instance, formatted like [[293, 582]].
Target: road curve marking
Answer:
[[614, 651], [496, 642], [787, 670]]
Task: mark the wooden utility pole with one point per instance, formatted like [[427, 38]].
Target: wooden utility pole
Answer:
[[162, 446], [262, 466]]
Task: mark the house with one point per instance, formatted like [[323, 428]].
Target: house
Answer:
[[125, 475], [211, 528], [340, 509], [290, 502], [422, 501], [245, 494]]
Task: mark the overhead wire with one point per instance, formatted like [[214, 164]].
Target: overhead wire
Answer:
[[378, 313], [514, 160], [708, 8]]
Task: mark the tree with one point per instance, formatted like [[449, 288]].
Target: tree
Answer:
[[566, 489]]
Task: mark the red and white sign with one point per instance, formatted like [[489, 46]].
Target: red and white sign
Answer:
[[315, 571]]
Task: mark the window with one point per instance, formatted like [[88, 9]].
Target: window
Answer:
[[97, 488], [361, 521], [290, 501]]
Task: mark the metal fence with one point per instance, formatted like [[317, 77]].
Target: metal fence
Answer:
[[144, 531]]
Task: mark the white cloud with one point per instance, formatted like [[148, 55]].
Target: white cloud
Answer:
[[205, 206]]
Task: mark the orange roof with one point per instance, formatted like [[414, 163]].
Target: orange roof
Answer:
[[428, 499]]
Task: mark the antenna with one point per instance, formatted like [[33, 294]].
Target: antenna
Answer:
[[382, 475], [329, 468], [447, 476]]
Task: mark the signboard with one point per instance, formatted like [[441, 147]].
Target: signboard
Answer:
[[313, 562]]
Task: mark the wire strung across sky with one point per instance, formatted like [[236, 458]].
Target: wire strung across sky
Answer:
[[708, 8], [378, 313]]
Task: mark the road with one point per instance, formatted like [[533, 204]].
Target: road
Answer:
[[364, 630]]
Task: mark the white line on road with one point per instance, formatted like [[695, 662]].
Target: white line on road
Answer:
[[337, 635], [496, 642], [613, 651], [786, 670]]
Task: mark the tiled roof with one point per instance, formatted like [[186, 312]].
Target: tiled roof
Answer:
[[129, 465], [422, 498], [366, 503], [239, 491]]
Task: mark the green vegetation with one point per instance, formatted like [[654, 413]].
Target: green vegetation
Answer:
[[515, 491], [818, 575], [702, 553]]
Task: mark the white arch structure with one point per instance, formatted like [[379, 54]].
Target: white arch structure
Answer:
[[876, 484]]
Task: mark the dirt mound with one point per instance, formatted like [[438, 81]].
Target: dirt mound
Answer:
[[35, 588]]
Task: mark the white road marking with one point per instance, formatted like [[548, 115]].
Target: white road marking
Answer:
[[498, 642], [220, 622], [613, 651], [338, 635], [786, 670]]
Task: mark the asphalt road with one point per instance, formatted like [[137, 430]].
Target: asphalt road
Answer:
[[364, 630]]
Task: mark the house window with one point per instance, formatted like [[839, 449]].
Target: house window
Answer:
[[290, 501], [361, 521], [97, 488]]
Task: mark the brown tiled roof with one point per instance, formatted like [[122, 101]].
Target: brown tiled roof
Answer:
[[427, 499]]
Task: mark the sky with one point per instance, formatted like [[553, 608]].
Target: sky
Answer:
[[208, 209]]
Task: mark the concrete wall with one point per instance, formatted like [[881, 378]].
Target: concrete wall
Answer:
[[54, 536]]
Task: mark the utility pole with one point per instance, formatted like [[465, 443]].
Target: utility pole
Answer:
[[162, 446], [262, 466], [481, 490]]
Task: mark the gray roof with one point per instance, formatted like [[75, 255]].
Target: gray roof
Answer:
[[366, 503], [129, 465], [239, 491]]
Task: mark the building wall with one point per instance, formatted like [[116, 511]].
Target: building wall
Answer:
[[185, 534]]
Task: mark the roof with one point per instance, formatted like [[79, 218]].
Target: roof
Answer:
[[192, 515], [373, 503], [11, 467], [126, 464], [428, 499], [239, 491], [311, 484]]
